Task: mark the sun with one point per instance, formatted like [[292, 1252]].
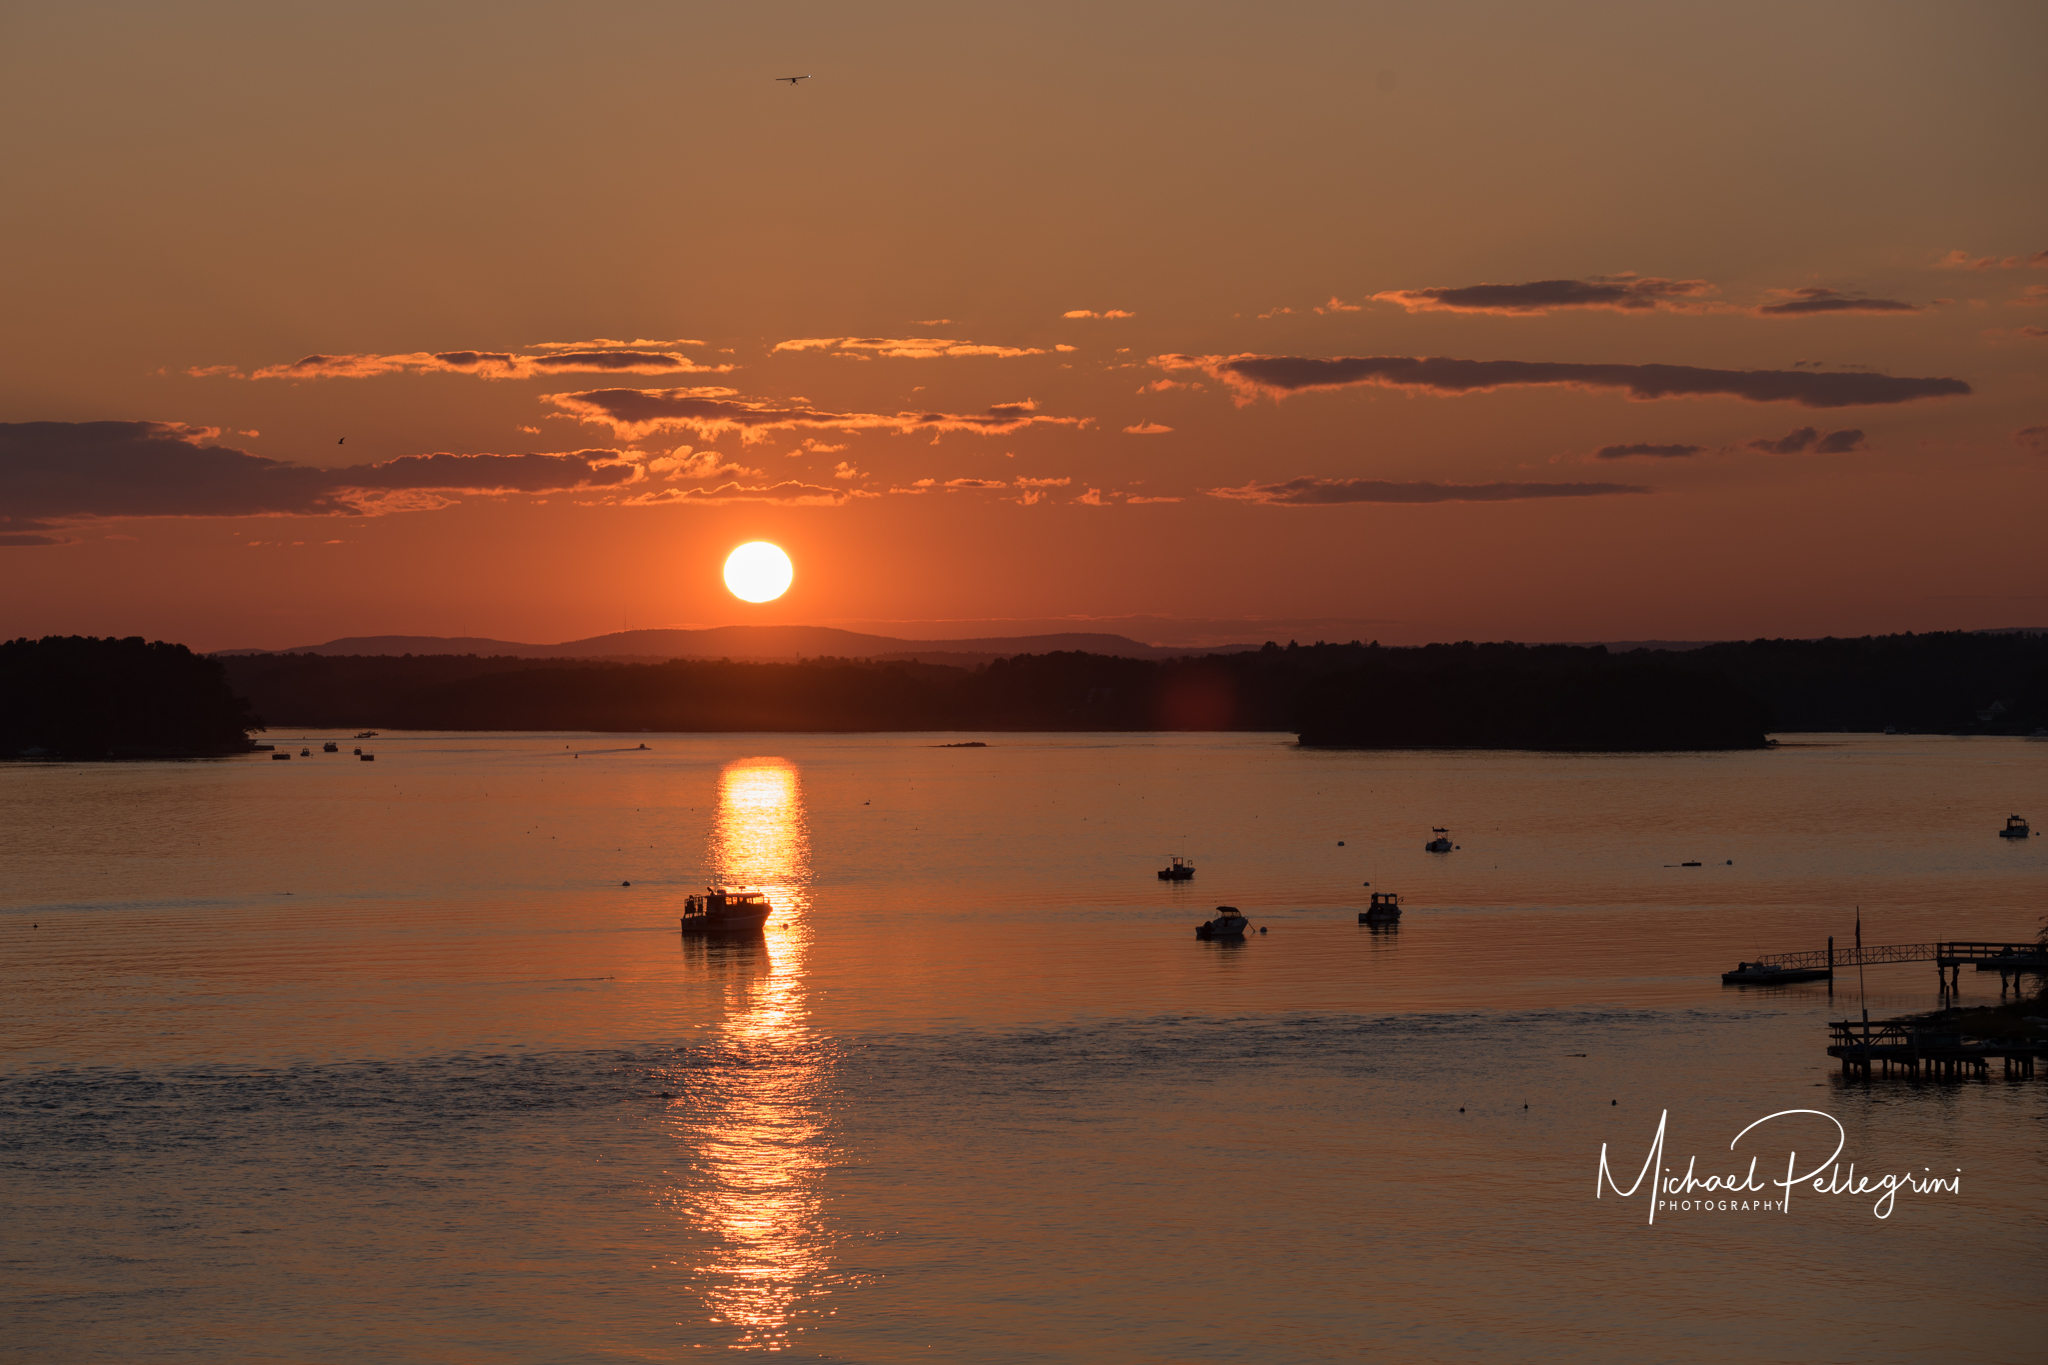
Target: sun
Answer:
[[758, 572]]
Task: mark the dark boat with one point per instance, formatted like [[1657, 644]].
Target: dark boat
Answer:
[[1177, 870], [2015, 828], [1440, 844], [1227, 924], [1766, 974], [726, 910], [1385, 909], [367, 734], [330, 747]]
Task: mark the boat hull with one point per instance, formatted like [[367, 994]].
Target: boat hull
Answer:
[[747, 923], [1783, 976]]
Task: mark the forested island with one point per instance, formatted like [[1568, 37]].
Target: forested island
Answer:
[[74, 696], [1556, 697], [82, 697]]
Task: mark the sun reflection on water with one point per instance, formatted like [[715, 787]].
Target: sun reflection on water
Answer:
[[754, 1131]]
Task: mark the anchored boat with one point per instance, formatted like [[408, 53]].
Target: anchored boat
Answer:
[[1440, 844], [1385, 909], [1227, 924], [1769, 974], [1177, 870], [726, 910], [2015, 828]]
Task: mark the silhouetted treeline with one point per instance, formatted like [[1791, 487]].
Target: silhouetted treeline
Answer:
[[1491, 695], [73, 696]]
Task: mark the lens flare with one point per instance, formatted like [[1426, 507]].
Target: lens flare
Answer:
[[758, 572]]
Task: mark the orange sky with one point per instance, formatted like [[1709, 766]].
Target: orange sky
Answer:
[[566, 252]]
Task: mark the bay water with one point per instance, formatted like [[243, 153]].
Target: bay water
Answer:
[[326, 1060]]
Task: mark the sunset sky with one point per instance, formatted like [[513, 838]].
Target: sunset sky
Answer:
[[1188, 321]]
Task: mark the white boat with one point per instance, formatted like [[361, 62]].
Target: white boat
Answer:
[[1227, 924]]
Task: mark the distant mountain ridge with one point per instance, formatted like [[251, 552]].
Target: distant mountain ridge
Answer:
[[749, 643]]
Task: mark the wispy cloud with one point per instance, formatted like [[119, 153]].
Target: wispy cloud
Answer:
[[1337, 305], [1813, 302], [481, 364], [789, 493], [1645, 450], [2032, 438], [1626, 293], [1276, 376], [905, 348], [1091, 313], [1147, 429], [1963, 260], [1309, 492], [56, 473], [710, 412], [1810, 441]]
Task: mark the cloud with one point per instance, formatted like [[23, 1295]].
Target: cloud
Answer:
[[1043, 483], [1088, 313], [1092, 498], [1134, 500], [1269, 313], [905, 348], [2032, 438], [1626, 293], [683, 463], [1963, 260], [1644, 449], [788, 493], [2031, 295], [1307, 492], [1337, 305], [1800, 303], [54, 473], [612, 344], [957, 485], [1276, 376], [1147, 429], [487, 364], [709, 412], [845, 470], [1808, 441]]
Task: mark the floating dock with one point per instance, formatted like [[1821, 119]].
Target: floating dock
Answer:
[[1935, 1052]]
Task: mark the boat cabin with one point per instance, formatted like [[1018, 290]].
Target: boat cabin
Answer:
[[2015, 828], [723, 900]]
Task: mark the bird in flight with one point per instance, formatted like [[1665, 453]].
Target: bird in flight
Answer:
[[342, 442], [792, 79]]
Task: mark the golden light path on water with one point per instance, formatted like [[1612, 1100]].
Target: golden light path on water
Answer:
[[753, 1130]]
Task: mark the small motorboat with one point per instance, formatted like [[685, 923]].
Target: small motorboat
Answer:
[[330, 747], [1440, 844], [277, 757], [726, 910], [305, 753], [367, 734], [1694, 863], [1227, 924], [1385, 909], [1769, 974], [358, 751], [2015, 828], [1177, 870], [367, 758]]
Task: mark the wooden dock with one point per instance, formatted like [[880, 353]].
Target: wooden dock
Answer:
[[1918, 1049], [2009, 960]]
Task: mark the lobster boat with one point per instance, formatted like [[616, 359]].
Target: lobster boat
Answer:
[[726, 910]]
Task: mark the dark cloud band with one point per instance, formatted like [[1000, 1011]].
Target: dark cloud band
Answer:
[[1614, 293], [710, 412], [1279, 375], [56, 473]]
